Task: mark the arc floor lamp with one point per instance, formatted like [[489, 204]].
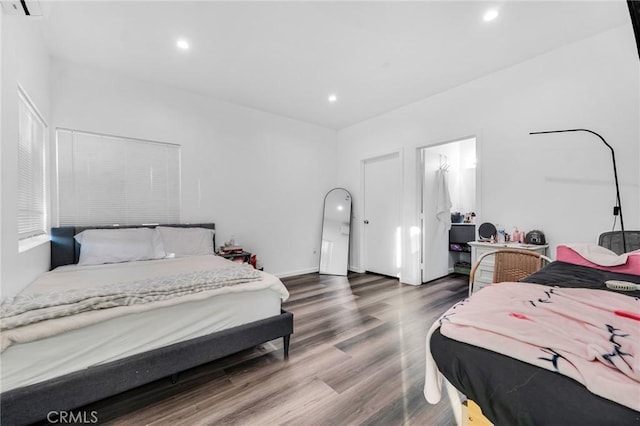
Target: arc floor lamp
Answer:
[[617, 209]]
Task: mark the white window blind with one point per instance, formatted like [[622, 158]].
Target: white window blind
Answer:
[[107, 180], [31, 174]]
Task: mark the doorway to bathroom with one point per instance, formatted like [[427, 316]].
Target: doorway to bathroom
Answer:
[[448, 176]]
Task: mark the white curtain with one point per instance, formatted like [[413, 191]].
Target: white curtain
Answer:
[[31, 170], [106, 180]]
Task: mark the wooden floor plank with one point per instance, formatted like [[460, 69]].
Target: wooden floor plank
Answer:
[[357, 357]]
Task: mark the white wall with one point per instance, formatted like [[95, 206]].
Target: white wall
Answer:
[[561, 184], [1, 138], [260, 177], [25, 61], [467, 176]]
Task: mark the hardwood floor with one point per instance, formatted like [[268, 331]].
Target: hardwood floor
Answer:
[[357, 357]]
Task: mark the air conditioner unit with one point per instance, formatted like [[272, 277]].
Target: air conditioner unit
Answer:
[[22, 7]]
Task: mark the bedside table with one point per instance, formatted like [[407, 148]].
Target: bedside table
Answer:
[[245, 255]]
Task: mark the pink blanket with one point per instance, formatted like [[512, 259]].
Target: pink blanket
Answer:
[[592, 336], [597, 257]]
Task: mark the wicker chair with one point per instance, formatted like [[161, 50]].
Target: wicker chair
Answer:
[[510, 265], [613, 241]]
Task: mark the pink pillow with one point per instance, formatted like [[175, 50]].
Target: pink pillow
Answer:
[[568, 255]]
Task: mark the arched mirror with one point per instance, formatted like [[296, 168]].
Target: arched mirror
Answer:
[[336, 227]]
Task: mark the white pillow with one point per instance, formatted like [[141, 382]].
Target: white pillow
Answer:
[[186, 241], [98, 246]]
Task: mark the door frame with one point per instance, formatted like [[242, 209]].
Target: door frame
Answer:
[[361, 203], [420, 189]]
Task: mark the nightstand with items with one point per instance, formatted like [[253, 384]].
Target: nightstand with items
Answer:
[[244, 255], [238, 254], [460, 235]]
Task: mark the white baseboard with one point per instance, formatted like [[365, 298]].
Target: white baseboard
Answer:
[[356, 269], [298, 272]]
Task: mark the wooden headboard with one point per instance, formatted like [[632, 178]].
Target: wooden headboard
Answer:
[[65, 250]]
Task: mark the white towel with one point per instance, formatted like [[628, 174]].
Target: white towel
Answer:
[[443, 200]]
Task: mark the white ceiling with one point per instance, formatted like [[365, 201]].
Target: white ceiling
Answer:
[[287, 57]]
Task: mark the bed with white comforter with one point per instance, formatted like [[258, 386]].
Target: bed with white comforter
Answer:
[[89, 329], [189, 296]]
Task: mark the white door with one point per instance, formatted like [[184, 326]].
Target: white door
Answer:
[[435, 250], [382, 230]]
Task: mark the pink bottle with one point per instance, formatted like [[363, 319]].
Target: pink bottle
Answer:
[[516, 235]]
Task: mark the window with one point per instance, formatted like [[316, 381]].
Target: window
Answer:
[[107, 180], [31, 173]]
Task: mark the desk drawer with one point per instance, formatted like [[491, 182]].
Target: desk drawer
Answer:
[[484, 273]]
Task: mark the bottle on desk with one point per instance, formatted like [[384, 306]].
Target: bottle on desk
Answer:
[[516, 236]]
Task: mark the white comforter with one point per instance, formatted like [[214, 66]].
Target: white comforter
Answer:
[[72, 277]]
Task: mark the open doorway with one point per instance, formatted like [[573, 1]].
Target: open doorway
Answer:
[[448, 182]]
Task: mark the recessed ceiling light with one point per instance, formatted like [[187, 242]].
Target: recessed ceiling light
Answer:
[[490, 15], [332, 98], [182, 44]]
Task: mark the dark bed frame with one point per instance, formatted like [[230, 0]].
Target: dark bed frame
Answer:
[[31, 403]]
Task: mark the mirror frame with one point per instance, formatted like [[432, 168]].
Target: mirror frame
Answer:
[[322, 233]]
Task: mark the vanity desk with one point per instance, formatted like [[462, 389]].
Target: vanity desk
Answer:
[[484, 273]]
